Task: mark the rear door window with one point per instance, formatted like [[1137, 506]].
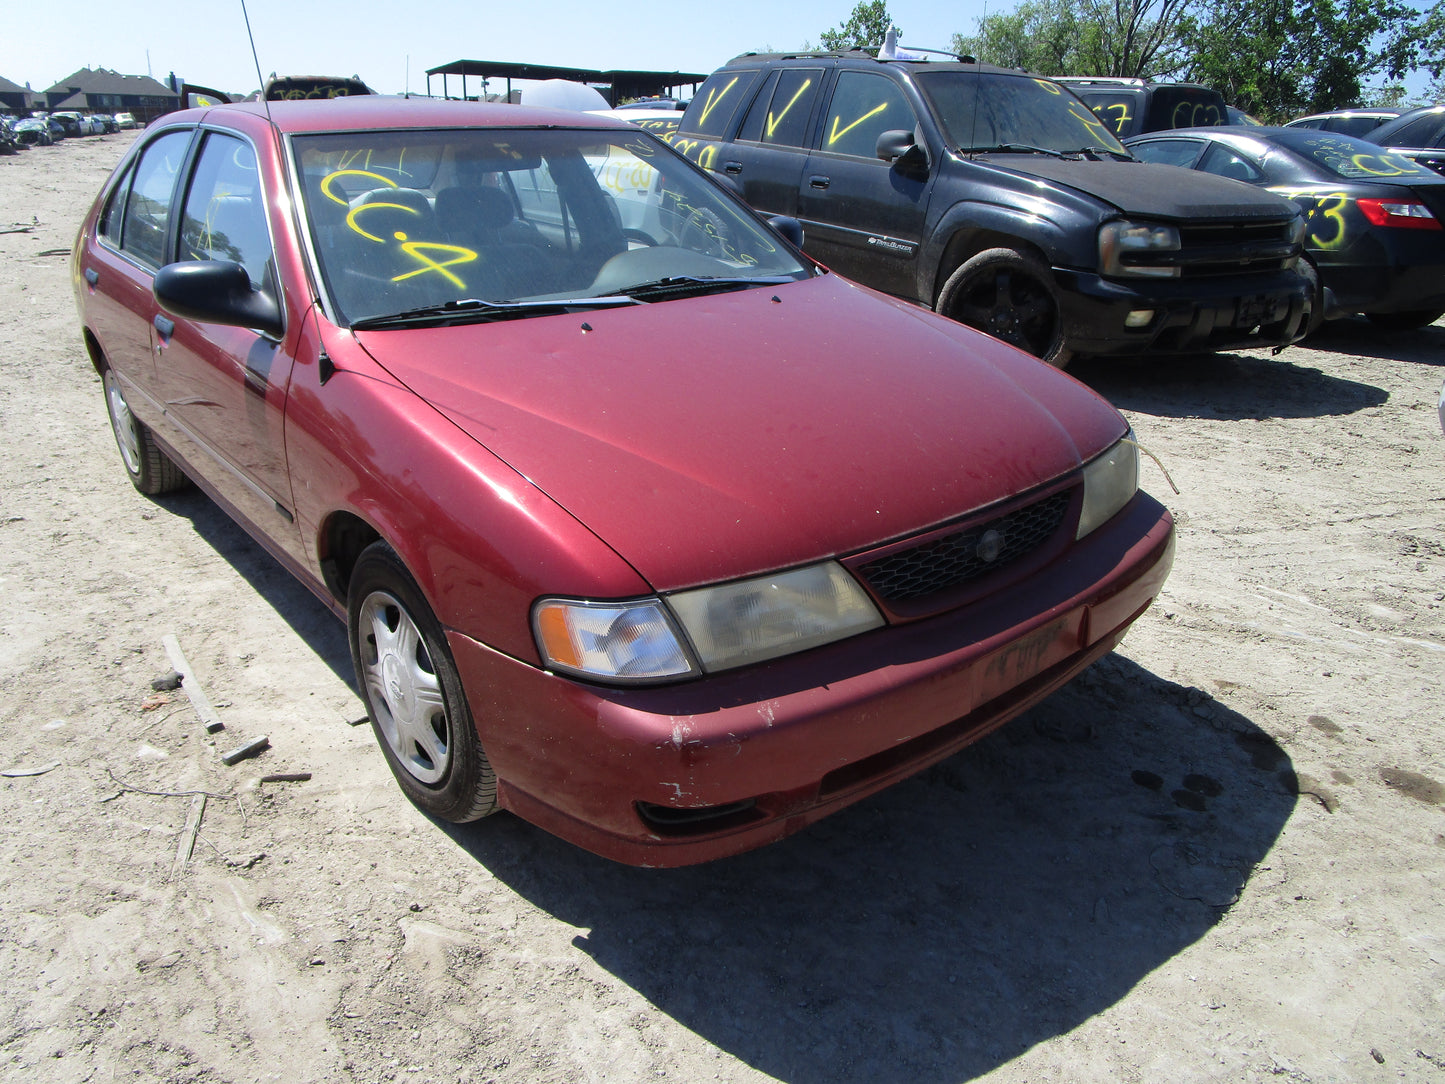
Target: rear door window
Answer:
[[146, 220], [782, 111]]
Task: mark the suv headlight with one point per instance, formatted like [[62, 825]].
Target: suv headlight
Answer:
[[703, 630], [1110, 482], [1130, 248]]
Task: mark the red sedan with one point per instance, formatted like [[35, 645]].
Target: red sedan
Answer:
[[645, 527]]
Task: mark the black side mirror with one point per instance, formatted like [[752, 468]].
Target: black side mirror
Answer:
[[902, 148], [790, 229], [217, 292]]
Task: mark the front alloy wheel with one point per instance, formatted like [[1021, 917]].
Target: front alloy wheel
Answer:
[[1011, 297]]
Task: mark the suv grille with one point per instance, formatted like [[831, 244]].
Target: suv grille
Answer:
[[955, 559], [1228, 248]]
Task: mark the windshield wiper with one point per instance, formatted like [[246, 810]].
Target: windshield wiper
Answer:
[[1096, 153], [1019, 148], [695, 286], [470, 310]]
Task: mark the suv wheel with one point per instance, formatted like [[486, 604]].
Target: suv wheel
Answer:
[[1012, 297]]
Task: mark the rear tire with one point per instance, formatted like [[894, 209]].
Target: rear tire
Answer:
[[1011, 297], [1404, 321], [151, 471], [413, 693]]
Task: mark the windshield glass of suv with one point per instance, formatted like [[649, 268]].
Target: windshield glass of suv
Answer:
[[406, 220], [987, 110]]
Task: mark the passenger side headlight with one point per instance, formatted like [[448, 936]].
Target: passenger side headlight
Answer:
[[1123, 243], [1110, 482], [703, 630]]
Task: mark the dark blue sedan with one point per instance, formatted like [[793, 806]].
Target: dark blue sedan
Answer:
[[1374, 218]]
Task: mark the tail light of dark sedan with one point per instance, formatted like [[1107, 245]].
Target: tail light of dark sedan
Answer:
[[1401, 214]]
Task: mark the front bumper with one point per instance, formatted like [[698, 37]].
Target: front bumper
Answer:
[[677, 774], [1189, 316]]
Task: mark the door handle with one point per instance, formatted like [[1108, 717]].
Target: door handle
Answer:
[[732, 167], [92, 276], [165, 326], [819, 182]]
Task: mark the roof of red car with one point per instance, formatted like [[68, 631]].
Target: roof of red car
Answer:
[[384, 111]]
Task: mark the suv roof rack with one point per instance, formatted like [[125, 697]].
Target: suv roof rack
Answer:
[[860, 53]]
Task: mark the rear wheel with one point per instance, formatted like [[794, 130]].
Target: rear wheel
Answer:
[[151, 470], [1317, 298], [1405, 321], [413, 692], [1012, 297]]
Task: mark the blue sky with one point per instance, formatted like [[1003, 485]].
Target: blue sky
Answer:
[[391, 45], [206, 42]]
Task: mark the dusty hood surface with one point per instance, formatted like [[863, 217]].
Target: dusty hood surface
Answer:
[[721, 436], [1146, 188]]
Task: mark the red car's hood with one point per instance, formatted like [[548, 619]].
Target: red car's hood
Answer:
[[717, 437]]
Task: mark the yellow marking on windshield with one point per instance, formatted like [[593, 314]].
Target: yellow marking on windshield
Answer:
[[1187, 115], [838, 134], [351, 217], [414, 250], [1394, 167], [334, 198], [1102, 111], [712, 102], [773, 121]]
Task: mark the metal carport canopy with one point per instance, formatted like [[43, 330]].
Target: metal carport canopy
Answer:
[[622, 84]]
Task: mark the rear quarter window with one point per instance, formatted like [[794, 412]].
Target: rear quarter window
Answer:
[[717, 102]]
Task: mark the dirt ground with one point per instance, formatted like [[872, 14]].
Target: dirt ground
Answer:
[[1218, 856]]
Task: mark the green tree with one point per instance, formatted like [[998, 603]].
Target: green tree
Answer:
[[1042, 36], [1131, 38], [864, 28], [1280, 58]]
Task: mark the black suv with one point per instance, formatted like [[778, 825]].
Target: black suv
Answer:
[[998, 199], [1130, 107]]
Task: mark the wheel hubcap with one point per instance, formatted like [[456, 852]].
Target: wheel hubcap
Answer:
[[403, 688], [123, 422]]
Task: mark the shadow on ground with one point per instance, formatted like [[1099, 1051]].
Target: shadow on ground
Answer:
[[1357, 336], [296, 605], [1226, 386], [943, 928]]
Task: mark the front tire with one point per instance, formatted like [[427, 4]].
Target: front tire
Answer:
[[413, 692], [1011, 297], [151, 471]]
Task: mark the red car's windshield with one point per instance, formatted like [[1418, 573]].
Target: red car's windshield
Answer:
[[402, 220]]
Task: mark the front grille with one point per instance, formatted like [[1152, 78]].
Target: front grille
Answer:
[[1229, 248], [953, 560]]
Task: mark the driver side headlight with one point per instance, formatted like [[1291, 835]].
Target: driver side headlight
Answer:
[[1127, 248], [1110, 482], [703, 630]]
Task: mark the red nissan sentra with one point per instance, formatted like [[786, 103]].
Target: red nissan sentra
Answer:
[[644, 526]]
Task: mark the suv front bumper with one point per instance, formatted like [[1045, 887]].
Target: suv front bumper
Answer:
[[1186, 316]]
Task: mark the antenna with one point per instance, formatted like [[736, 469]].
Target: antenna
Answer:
[[260, 82], [978, 81]]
